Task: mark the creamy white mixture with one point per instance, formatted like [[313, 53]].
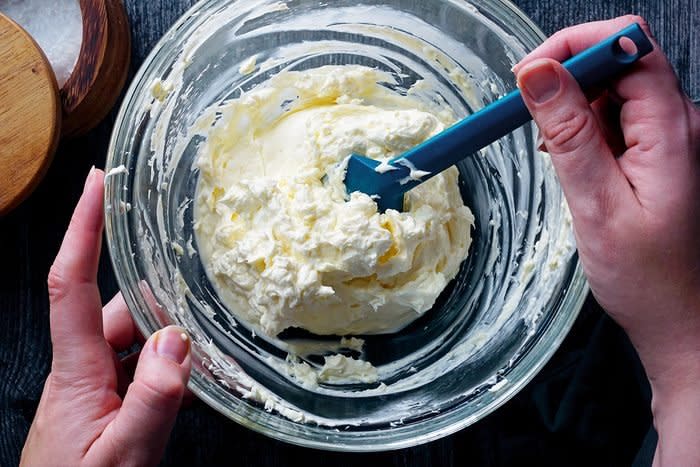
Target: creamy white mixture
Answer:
[[505, 290], [281, 240]]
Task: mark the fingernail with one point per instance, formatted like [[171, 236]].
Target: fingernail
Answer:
[[540, 81], [90, 177], [172, 343]]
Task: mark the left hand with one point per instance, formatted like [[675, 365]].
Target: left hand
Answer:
[[87, 415]]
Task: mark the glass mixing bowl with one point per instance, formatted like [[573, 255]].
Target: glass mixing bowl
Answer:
[[490, 331]]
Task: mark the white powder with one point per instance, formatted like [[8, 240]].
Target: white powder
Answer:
[[56, 25]]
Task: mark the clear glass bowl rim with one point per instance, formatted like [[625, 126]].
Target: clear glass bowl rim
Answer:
[[116, 227]]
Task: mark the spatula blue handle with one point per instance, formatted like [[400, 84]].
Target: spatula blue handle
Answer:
[[591, 68]]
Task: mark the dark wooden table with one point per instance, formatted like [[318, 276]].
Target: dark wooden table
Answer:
[[589, 406]]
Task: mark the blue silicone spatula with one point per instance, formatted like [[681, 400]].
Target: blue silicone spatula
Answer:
[[591, 68]]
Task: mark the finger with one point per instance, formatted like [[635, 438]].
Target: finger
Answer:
[[607, 113], [118, 325], [570, 41], [591, 179], [128, 367], [142, 427], [650, 92], [76, 321]]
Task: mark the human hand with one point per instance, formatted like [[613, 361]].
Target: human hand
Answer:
[[86, 415], [629, 165]]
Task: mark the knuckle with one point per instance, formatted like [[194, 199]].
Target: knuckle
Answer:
[[57, 282], [643, 23], [599, 211], [165, 392], [562, 35], [116, 449], [557, 36], [632, 18], [569, 131]]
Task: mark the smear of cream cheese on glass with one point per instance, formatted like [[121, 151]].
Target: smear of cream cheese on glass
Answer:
[[523, 295], [285, 249]]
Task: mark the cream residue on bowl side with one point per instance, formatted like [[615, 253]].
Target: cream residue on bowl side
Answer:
[[220, 365]]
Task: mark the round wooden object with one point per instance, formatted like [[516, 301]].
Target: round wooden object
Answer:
[[103, 64], [30, 114]]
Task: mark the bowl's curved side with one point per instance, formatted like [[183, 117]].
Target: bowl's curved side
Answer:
[[125, 235]]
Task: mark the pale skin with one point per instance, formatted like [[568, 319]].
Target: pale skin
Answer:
[[629, 165], [630, 168], [91, 412]]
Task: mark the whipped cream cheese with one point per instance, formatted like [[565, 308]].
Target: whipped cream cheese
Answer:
[[282, 241], [336, 369]]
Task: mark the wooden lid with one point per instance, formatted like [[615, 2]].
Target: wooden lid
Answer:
[[30, 114]]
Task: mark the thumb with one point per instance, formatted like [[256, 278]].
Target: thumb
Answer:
[[591, 178], [141, 429]]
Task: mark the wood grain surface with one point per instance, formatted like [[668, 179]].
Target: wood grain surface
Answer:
[[102, 68], [30, 115], [525, 429]]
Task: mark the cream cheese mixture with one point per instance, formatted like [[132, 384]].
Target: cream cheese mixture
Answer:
[[282, 241]]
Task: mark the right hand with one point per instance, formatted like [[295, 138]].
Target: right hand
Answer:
[[629, 165]]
